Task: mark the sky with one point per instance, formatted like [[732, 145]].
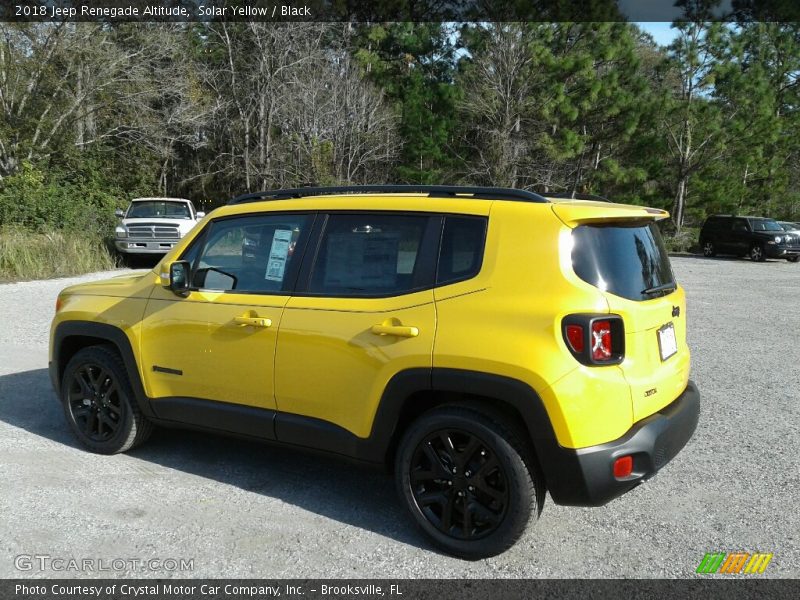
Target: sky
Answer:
[[662, 32]]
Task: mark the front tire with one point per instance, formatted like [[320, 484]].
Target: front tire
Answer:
[[99, 404], [793, 258], [709, 249], [757, 253], [467, 480]]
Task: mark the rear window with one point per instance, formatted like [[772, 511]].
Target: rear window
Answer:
[[626, 260]]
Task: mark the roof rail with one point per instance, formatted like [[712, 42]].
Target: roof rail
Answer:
[[570, 196], [433, 191]]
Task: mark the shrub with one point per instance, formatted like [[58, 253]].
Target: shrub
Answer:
[[685, 241]]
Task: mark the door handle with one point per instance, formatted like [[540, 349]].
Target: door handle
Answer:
[[253, 321], [397, 330]]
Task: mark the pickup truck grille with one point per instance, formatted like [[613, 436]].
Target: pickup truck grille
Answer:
[[153, 231]]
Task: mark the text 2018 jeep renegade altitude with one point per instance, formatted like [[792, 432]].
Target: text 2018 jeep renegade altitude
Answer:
[[488, 344]]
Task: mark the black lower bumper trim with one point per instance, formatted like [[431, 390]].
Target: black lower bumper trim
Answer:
[[585, 476]]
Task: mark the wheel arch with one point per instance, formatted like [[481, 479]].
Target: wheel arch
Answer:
[[416, 391], [72, 336]]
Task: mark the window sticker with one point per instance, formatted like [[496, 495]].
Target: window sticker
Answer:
[[278, 255], [362, 261]]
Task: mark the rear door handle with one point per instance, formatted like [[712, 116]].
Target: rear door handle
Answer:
[[397, 330], [253, 321]]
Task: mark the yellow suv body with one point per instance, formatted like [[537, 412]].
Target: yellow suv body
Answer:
[[490, 344]]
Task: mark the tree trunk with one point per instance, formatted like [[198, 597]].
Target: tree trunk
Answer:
[[680, 200]]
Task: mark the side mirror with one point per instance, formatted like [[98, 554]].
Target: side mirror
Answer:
[[200, 214], [179, 277], [119, 213]]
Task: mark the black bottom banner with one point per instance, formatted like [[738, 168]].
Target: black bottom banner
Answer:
[[400, 589]]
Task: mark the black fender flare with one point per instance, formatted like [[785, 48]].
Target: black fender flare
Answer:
[[108, 333], [517, 394]]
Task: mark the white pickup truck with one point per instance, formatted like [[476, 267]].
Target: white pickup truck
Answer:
[[154, 225]]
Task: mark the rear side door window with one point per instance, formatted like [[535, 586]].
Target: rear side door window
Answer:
[[375, 254], [740, 225]]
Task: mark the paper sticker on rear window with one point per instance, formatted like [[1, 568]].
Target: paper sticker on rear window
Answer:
[[278, 255]]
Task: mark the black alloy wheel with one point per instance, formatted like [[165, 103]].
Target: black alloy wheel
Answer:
[[459, 484], [468, 477], [94, 402], [99, 404]]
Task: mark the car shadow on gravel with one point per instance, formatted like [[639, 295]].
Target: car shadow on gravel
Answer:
[[351, 494]]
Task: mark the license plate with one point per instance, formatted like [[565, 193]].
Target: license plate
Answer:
[[667, 344]]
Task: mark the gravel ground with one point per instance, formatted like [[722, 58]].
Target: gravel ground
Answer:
[[245, 510]]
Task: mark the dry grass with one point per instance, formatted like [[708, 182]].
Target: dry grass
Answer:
[[29, 255]]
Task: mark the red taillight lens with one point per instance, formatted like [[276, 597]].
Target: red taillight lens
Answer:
[[623, 467], [601, 340], [59, 303], [575, 337], [594, 340]]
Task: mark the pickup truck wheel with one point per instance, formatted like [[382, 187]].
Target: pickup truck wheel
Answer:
[[463, 477], [99, 404], [757, 253], [793, 258]]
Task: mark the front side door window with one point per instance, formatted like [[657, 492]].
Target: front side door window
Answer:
[[253, 254]]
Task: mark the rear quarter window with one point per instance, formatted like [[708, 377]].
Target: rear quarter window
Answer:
[[461, 252], [624, 260]]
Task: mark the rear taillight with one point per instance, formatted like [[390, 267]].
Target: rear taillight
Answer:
[[601, 340], [575, 337], [595, 339]]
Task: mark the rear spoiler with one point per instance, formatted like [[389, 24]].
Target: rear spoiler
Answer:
[[577, 212]]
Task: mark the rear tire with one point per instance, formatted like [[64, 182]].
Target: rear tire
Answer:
[[99, 403], [468, 481]]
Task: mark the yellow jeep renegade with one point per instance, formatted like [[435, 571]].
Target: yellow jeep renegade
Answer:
[[488, 344]]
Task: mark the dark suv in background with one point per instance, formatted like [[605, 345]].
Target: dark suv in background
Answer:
[[757, 237]]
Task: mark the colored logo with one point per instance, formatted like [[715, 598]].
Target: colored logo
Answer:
[[735, 562]]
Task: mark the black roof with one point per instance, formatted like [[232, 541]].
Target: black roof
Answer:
[[433, 191]]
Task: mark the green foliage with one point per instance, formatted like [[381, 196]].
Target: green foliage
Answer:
[[94, 116], [413, 63], [684, 241], [75, 202]]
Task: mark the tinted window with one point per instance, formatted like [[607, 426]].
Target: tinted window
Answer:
[[765, 225], [717, 223], [462, 248], [369, 254], [623, 260], [249, 254], [740, 225]]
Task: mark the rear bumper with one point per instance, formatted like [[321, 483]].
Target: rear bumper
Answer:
[[584, 477]]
